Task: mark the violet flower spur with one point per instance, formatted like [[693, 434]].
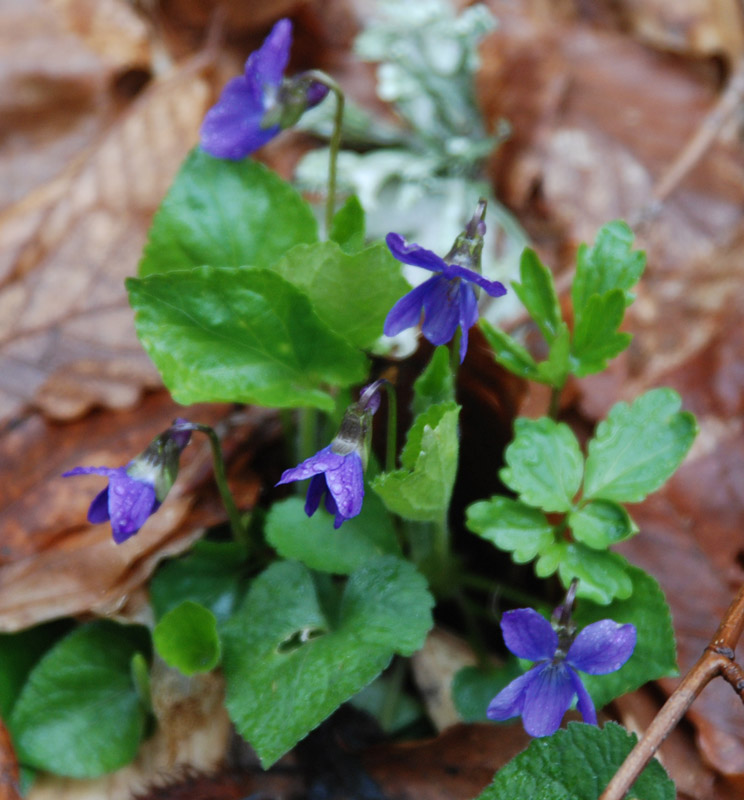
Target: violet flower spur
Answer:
[[545, 692], [337, 471], [254, 107], [448, 299], [136, 491]]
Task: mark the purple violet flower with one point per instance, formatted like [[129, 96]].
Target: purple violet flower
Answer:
[[136, 491], [448, 299], [337, 471], [545, 692], [254, 107]]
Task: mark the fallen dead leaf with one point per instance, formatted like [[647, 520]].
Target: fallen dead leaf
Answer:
[[67, 339], [52, 562]]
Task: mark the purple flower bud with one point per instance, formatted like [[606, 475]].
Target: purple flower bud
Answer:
[[136, 491], [254, 107], [448, 299], [337, 471], [545, 692]]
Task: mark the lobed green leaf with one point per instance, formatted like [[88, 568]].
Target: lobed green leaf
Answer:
[[638, 447], [596, 338], [544, 464], [512, 526], [538, 295], [600, 524], [348, 227]]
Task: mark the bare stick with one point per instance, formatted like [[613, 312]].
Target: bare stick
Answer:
[[717, 659]]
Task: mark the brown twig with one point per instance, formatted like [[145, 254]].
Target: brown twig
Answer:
[[717, 659]]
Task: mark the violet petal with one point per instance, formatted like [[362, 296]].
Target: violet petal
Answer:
[[549, 697], [585, 704], [509, 701], [322, 461], [346, 484], [602, 647], [528, 634], [406, 313], [441, 311], [492, 288], [414, 254]]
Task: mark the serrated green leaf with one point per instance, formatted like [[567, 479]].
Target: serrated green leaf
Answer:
[[609, 264], [240, 335], [79, 713], [436, 384], [638, 447], [288, 665], [508, 352], [600, 524], [602, 575], [226, 213], [555, 369], [211, 574], [351, 293], [654, 655], [538, 295], [512, 526], [348, 226], [422, 489], [544, 464], [315, 542], [576, 764], [186, 638], [596, 338]]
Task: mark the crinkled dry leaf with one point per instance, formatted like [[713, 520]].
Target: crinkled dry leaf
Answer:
[[52, 562], [691, 27], [67, 338]]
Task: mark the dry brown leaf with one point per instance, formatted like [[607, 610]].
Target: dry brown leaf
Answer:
[[9, 774], [52, 562], [692, 27], [67, 338]]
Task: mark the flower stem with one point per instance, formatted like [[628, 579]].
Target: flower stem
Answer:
[[237, 526], [391, 447], [555, 399], [391, 699], [334, 144]]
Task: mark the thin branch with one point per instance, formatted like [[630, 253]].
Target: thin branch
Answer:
[[717, 659]]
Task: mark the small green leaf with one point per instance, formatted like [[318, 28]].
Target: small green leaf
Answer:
[[473, 688], [240, 335], [435, 384], [512, 526], [508, 352], [421, 490], [555, 369], [211, 574], [576, 764], [348, 226], [544, 464], [353, 293], [610, 264], [226, 213], [314, 541], [600, 524], [79, 713], [654, 655], [537, 293], [602, 575], [596, 338], [186, 638], [638, 447], [375, 700], [288, 664]]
